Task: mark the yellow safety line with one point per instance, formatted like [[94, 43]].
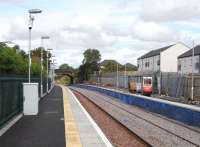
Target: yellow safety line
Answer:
[[72, 135]]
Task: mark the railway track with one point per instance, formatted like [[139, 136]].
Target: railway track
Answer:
[[119, 135], [167, 136]]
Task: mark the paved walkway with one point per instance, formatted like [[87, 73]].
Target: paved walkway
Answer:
[[44, 130], [55, 125], [89, 133]]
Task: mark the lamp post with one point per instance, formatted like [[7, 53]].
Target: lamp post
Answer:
[[54, 66], [48, 51], [41, 61], [125, 80], [52, 71], [30, 26]]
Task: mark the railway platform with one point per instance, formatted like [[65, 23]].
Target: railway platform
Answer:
[[61, 122]]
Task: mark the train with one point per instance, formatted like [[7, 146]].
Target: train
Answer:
[[147, 86]]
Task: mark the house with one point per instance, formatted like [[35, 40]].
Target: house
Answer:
[[185, 61], [164, 59]]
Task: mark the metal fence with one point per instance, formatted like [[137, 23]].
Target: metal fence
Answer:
[[166, 83], [11, 95], [120, 81], [179, 85]]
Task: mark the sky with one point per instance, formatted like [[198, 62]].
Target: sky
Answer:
[[120, 29]]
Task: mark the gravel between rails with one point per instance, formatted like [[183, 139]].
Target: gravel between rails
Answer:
[[119, 135]]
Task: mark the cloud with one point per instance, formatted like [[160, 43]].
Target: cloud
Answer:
[[150, 31], [11, 1], [121, 31], [170, 10]]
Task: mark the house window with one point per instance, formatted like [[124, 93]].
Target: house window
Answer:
[[197, 66], [158, 62], [147, 64], [179, 67]]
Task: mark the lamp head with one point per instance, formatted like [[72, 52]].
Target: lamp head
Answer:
[[35, 11], [45, 37]]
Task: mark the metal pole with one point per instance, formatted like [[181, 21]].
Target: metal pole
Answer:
[[41, 82], [125, 77], [47, 69], [192, 87], [29, 56], [31, 19], [53, 74]]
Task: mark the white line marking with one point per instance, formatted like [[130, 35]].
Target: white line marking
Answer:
[[51, 112], [99, 131], [10, 124]]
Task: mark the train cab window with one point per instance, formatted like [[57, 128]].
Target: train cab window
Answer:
[[147, 82]]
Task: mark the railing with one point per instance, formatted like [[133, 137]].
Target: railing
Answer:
[[11, 95]]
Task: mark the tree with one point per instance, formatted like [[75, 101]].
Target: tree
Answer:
[[130, 67], [91, 59], [36, 58], [91, 56], [90, 64], [66, 67], [110, 66], [3, 45], [15, 61], [16, 47], [11, 61], [35, 67]]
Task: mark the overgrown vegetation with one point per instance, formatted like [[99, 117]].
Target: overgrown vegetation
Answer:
[[14, 60], [90, 64]]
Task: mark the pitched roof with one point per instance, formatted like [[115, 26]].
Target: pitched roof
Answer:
[[189, 53], [155, 52]]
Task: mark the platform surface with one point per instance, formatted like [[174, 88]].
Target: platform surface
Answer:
[[44, 130], [88, 135], [48, 128]]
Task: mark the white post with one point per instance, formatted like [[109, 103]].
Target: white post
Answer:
[[192, 87], [29, 56], [47, 69], [125, 77], [30, 25], [41, 82], [52, 74], [52, 81]]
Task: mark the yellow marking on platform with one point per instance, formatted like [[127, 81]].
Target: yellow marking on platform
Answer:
[[72, 135]]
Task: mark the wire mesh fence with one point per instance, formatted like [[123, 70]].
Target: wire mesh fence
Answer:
[[11, 95], [179, 85], [170, 84]]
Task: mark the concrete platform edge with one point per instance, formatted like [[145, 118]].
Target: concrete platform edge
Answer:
[[96, 127], [9, 124]]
